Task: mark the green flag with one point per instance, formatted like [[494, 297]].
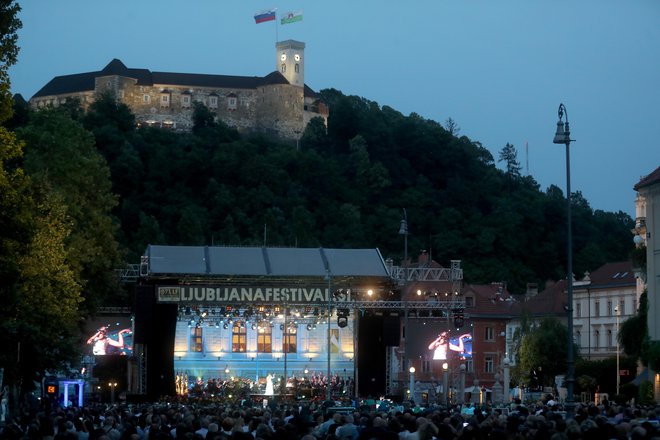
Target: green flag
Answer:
[[292, 17]]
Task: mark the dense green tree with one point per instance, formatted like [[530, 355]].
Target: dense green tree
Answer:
[[61, 155], [9, 26], [545, 346]]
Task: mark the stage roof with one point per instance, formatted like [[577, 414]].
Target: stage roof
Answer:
[[220, 261]]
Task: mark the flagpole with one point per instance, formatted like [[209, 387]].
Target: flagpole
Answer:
[[276, 35]]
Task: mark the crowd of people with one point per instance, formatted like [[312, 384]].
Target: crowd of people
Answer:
[[291, 420]]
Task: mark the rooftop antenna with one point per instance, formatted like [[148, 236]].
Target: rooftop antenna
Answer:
[[527, 158]]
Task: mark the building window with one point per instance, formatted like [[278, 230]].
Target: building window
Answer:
[[469, 366], [283, 69], [238, 338], [146, 99], [185, 101], [489, 334], [578, 310], [622, 307], [469, 301], [426, 365], [231, 103], [609, 308], [488, 364], [213, 101], [578, 337], [634, 301], [196, 344], [297, 68], [596, 309], [609, 338], [264, 339], [165, 100], [596, 339], [121, 94], [290, 340]]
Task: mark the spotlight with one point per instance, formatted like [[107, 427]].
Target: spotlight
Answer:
[[254, 326], [225, 326], [309, 327], [342, 321]]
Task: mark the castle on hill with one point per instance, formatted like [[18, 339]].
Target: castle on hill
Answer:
[[278, 104]]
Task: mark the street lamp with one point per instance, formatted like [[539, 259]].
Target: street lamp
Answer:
[[403, 230], [412, 382], [112, 385], [328, 391], [618, 374], [445, 382], [563, 136]]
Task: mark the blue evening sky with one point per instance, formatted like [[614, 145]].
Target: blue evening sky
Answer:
[[499, 68]]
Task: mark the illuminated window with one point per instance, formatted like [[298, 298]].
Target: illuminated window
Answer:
[[185, 101], [290, 340], [196, 344], [165, 100], [238, 338], [265, 339]]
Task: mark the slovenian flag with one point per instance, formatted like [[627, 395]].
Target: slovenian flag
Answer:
[[264, 16], [292, 17]]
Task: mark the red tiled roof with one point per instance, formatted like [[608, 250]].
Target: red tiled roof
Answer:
[[648, 180], [613, 274]]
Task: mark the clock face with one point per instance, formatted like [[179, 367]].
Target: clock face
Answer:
[[283, 57], [297, 57]]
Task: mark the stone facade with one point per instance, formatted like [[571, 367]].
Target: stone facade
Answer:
[[278, 104]]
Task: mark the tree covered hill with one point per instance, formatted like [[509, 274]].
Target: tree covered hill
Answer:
[[346, 187]]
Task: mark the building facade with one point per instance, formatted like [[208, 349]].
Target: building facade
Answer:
[[278, 104], [602, 300]]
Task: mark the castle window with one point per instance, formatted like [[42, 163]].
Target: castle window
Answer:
[[185, 101], [231, 103], [244, 101], [165, 100], [121, 94], [213, 101], [283, 68], [146, 99], [297, 68]]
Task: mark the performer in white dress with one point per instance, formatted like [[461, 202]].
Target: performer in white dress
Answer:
[[269, 385]]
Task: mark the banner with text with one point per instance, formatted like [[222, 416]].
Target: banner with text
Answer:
[[262, 294]]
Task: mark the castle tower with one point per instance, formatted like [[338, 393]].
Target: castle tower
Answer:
[[291, 61]]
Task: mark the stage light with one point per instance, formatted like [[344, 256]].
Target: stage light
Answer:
[[419, 292], [225, 326], [254, 326], [342, 321], [309, 327]]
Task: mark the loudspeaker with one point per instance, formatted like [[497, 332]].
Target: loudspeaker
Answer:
[[144, 312], [391, 331]]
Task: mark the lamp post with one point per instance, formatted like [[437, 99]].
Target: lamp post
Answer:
[[403, 230], [113, 385], [618, 374], [563, 136], [461, 385], [412, 383], [328, 391], [445, 382]]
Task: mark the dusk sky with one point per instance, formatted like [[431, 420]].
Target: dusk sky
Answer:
[[500, 69]]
